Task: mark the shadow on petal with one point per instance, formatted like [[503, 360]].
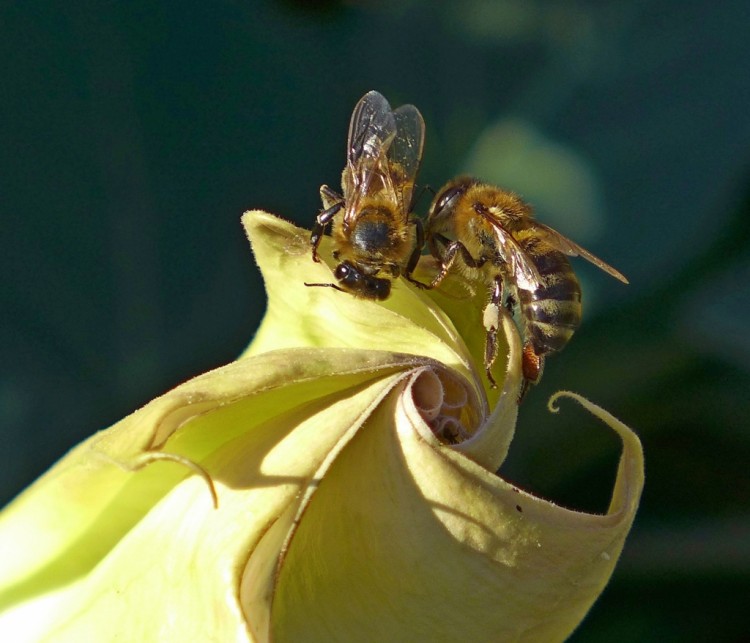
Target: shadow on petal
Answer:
[[407, 539]]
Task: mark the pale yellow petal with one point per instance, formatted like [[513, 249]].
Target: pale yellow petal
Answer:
[[406, 539], [66, 524], [489, 446]]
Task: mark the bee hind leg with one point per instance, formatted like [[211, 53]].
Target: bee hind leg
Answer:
[[491, 321], [532, 365]]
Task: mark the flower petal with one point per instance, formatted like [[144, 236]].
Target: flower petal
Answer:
[[93, 526], [405, 539]]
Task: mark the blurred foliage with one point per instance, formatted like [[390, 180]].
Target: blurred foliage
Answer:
[[136, 133]]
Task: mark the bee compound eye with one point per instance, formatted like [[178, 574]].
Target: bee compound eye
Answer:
[[346, 274], [341, 272], [448, 197]]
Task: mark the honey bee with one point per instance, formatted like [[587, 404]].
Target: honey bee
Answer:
[[375, 238], [492, 236]]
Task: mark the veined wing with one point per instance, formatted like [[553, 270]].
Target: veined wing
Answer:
[[572, 249], [405, 154], [519, 264], [371, 131]]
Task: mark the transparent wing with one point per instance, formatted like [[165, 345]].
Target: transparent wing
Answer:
[[405, 154], [371, 131], [572, 249], [521, 266]]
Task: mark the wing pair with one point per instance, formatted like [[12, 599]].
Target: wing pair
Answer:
[[523, 267], [384, 150]]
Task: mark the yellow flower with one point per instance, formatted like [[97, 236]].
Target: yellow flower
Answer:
[[335, 483]]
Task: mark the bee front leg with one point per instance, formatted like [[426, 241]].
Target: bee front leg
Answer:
[[333, 202], [329, 197], [453, 249], [491, 320]]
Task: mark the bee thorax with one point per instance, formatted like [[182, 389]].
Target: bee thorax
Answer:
[[371, 236]]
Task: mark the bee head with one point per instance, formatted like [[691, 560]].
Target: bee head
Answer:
[[352, 279]]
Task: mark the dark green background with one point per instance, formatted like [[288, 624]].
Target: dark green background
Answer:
[[135, 134]]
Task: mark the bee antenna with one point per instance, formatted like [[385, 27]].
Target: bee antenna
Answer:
[[422, 190], [334, 286]]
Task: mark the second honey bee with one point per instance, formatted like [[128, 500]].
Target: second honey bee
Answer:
[[375, 238], [492, 236]]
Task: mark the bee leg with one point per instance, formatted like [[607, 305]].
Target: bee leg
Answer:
[[416, 253], [453, 249], [325, 217], [525, 386], [532, 365], [432, 244], [329, 197], [491, 319]]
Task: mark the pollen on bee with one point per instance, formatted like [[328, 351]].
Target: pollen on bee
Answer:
[[491, 317]]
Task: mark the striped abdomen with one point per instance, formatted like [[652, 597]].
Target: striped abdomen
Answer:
[[552, 312]]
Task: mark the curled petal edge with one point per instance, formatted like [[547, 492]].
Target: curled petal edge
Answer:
[[541, 566]]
